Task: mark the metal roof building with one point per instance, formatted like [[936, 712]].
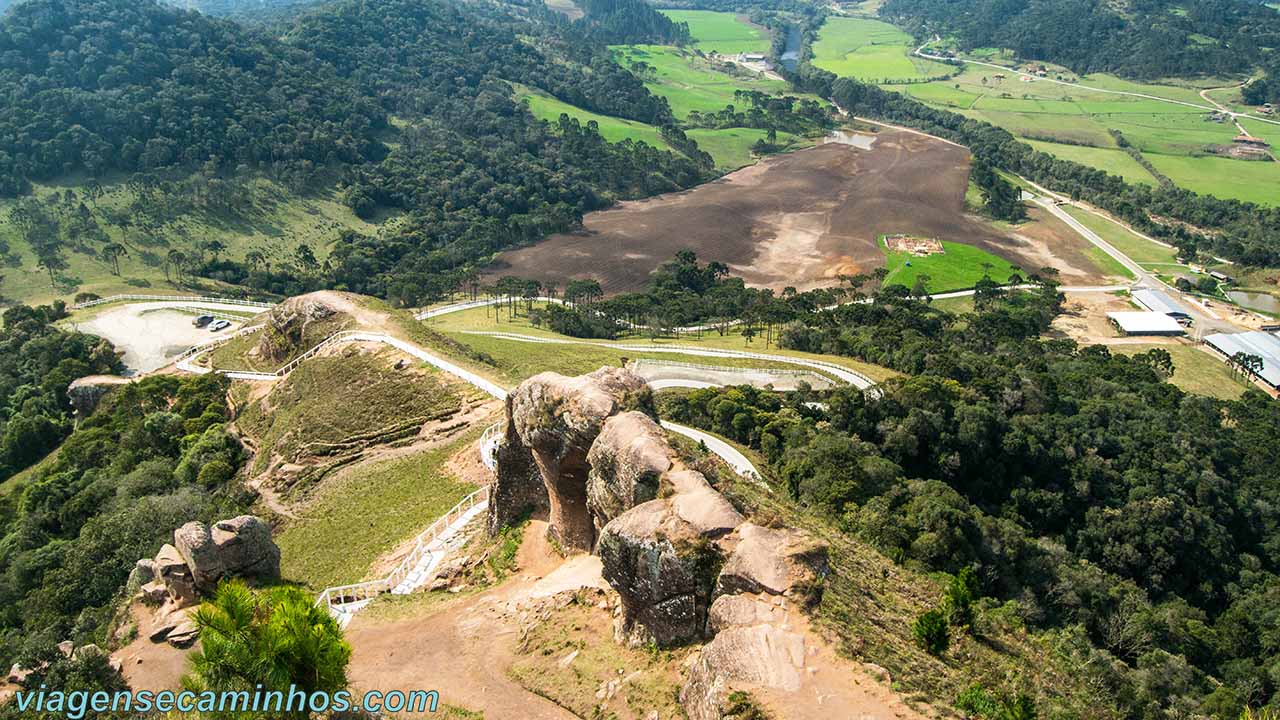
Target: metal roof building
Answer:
[[1145, 323], [1263, 344], [1158, 302]]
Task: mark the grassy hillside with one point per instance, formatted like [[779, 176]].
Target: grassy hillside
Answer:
[[242, 214], [366, 512], [871, 51], [722, 32], [689, 82]]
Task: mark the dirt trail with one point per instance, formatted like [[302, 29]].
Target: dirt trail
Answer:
[[465, 649]]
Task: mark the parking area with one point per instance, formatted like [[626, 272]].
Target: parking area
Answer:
[[150, 336]]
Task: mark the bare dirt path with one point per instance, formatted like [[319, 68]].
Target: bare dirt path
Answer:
[[465, 649]]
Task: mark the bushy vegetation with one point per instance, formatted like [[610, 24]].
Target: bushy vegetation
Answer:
[[1078, 483], [153, 457], [37, 363]]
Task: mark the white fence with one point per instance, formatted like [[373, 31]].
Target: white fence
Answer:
[[725, 369], [171, 298], [442, 529]]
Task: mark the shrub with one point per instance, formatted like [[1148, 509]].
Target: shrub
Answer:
[[932, 633], [957, 601]]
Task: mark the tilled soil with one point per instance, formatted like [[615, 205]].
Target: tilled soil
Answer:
[[800, 219]]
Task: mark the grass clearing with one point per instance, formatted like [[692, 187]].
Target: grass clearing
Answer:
[[870, 50], [519, 360], [959, 267], [545, 107], [302, 420], [1251, 181], [731, 147], [366, 513], [689, 82], [267, 218], [1196, 371], [1111, 160], [722, 32], [1139, 249]]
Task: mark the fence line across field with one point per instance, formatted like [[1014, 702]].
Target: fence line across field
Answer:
[[728, 370]]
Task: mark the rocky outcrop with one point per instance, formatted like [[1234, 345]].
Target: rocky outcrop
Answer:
[[743, 656], [239, 547], [517, 487], [682, 559], [664, 572], [287, 325], [774, 561], [558, 418], [627, 461]]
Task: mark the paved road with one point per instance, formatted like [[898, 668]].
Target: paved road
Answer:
[[724, 450]]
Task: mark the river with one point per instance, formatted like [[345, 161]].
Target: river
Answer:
[[791, 54]]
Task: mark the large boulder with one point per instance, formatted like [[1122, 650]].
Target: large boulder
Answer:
[[664, 572], [558, 418], [239, 547], [755, 656], [779, 561], [286, 329], [175, 573], [627, 461], [517, 487]]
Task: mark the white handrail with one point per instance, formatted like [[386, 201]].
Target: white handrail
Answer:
[[334, 597], [172, 298], [781, 372]]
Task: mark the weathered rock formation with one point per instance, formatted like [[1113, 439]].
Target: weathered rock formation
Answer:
[[193, 564], [669, 544], [286, 328], [558, 418], [239, 547]]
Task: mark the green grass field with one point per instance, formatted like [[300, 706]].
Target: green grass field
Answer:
[[1196, 371], [1175, 138], [1140, 250], [1112, 160], [870, 50], [959, 267], [365, 513], [689, 82], [545, 107], [516, 361], [1252, 181], [722, 32], [731, 147]]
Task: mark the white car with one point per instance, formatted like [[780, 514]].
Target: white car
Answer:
[[217, 325]]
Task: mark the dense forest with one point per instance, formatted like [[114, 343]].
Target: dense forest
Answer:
[[152, 458], [1150, 40], [1080, 484]]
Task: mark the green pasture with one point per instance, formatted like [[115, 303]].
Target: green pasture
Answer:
[[869, 50], [722, 32], [1139, 249], [1195, 370], [689, 82], [960, 266], [1248, 180], [731, 147], [275, 221], [613, 129], [1112, 160]]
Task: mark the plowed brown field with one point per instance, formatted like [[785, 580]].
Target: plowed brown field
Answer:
[[800, 219]]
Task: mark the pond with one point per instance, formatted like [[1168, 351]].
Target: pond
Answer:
[[1262, 302]]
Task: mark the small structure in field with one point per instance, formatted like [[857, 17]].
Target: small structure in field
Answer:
[[1145, 323], [917, 246]]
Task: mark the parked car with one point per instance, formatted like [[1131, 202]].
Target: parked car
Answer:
[[217, 325], [202, 321]]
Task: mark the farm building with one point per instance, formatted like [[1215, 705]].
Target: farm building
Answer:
[[1263, 344], [1158, 302], [1145, 323]]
